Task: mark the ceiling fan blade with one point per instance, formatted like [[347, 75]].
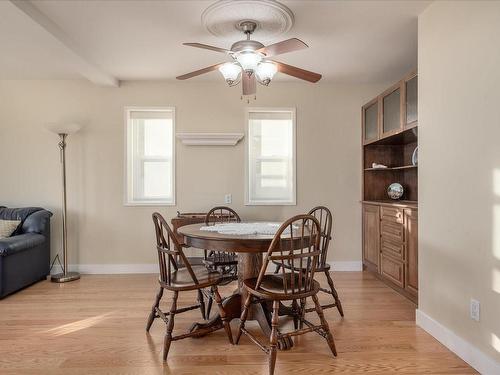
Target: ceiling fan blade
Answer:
[[284, 46], [293, 71], [248, 83], [206, 46], [199, 72]]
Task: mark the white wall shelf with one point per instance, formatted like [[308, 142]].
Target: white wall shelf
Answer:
[[210, 139]]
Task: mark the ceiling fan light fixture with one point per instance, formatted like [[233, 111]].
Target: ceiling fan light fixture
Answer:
[[231, 72], [265, 72], [249, 60]]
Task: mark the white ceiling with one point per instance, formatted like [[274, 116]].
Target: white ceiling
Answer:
[[350, 41]]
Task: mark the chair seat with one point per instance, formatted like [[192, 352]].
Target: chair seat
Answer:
[[296, 265], [272, 287], [182, 280]]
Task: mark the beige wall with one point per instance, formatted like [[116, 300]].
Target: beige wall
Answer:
[[459, 174], [102, 230]]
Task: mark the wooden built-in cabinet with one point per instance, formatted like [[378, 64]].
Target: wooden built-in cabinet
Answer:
[[390, 244], [392, 112], [390, 228]]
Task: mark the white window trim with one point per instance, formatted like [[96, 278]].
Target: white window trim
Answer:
[[248, 202], [127, 200]]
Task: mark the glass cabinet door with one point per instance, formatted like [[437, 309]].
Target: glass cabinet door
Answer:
[[370, 117], [411, 104], [391, 112]]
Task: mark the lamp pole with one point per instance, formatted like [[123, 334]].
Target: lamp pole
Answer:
[[65, 275]]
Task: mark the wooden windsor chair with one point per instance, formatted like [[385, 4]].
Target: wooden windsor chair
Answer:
[[176, 279], [324, 216], [297, 239], [224, 262]]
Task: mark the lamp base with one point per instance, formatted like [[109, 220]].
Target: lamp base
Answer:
[[65, 277]]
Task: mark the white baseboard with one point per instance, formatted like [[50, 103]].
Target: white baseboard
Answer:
[[346, 265], [96, 269], [465, 350]]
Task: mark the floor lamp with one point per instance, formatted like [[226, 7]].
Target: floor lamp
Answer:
[[63, 131]]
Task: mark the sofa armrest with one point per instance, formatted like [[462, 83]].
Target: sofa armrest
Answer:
[[37, 222], [14, 244]]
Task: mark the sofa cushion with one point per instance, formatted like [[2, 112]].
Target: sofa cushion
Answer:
[[22, 242], [37, 222], [17, 214], [7, 227]]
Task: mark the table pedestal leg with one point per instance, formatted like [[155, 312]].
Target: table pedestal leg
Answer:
[[249, 265]]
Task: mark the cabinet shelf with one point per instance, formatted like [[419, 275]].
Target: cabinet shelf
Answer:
[[392, 168]]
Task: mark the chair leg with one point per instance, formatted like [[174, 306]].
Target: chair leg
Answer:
[[201, 301], [277, 268], [152, 314], [334, 293], [225, 321], [324, 323], [170, 326], [209, 307], [274, 337], [296, 312], [302, 312], [243, 317]]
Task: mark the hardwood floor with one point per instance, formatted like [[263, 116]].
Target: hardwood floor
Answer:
[[97, 326]]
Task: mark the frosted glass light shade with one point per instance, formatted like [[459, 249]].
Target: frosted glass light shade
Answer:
[[230, 72], [249, 60], [64, 128], [265, 72]]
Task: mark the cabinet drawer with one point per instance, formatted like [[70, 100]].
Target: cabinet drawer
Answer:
[[391, 229], [393, 248], [391, 214], [392, 269]]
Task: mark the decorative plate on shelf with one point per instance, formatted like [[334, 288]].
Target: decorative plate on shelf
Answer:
[[414, 157], [395, 191]]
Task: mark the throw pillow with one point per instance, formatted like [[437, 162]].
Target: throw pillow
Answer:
[[7, 227]]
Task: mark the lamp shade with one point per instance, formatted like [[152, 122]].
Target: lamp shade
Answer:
[[249, 60], [68, 128], [230, 72], [266, 71]]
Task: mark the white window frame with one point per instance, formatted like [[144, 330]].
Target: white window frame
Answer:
[[249, 202], [128, 199]]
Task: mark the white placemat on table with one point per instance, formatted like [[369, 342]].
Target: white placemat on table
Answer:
[[262, 228]]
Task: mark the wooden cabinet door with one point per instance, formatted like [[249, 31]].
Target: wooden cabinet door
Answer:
[[370, 121], [392, 269], [392, 114], [371, 235], [410, 101], [411, 250]]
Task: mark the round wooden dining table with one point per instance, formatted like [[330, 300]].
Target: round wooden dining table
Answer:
[[250, 249]]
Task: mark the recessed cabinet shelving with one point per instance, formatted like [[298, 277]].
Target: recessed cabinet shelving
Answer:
[[389, 137]]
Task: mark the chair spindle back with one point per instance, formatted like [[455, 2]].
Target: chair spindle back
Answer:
[[221, 214], [324, 216], [298, 240], [168, 249]]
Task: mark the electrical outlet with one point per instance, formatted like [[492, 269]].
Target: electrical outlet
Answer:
[[474, 309], [228, 198]]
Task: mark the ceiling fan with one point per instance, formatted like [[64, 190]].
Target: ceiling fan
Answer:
[[251, 61]]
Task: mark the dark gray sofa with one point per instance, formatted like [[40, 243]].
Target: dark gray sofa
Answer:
[[25, 256]]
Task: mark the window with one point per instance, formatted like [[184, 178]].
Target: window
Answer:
[[150, 168], [270, 164]]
